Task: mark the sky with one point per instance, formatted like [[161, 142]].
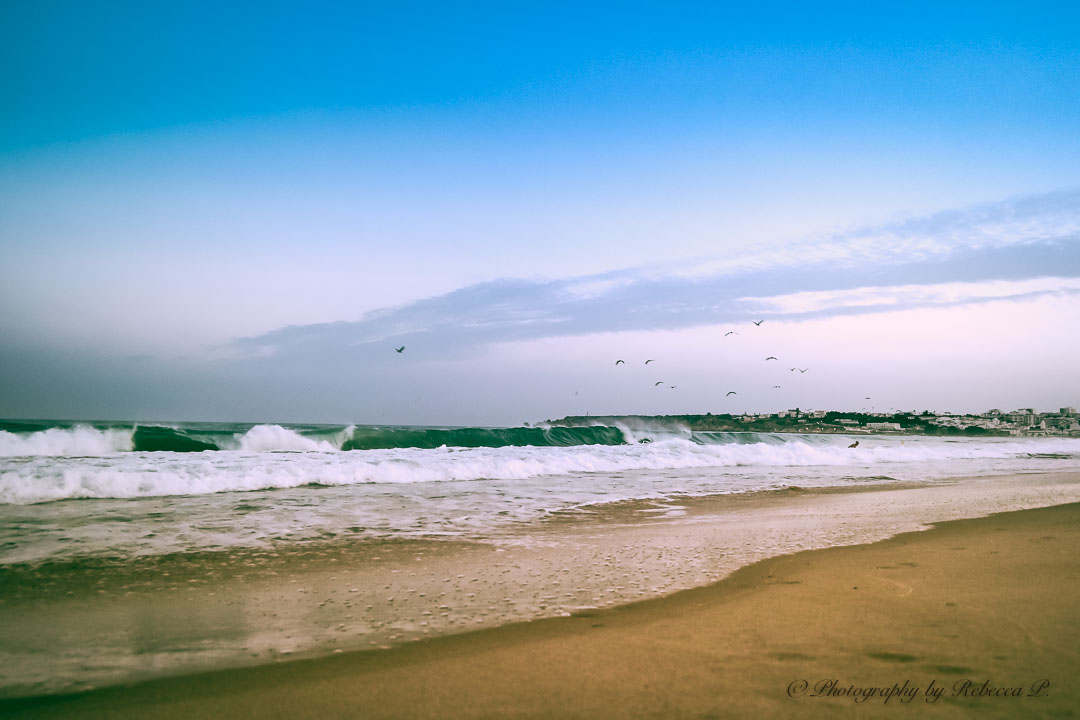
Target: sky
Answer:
[[237, 211]]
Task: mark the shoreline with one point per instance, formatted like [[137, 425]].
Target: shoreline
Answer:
[[121, 623], [984, 600]]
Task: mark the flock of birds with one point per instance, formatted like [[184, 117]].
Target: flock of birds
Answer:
[[757, 323], [659, 383]]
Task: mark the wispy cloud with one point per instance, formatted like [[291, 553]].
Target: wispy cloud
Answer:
[[986, 227], [1001, 250], [895, 296]]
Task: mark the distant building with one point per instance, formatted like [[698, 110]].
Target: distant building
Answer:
[[1023, 418], [1068, 411], [883, 426]]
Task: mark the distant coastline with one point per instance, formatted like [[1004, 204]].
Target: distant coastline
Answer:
[[1024, 422]]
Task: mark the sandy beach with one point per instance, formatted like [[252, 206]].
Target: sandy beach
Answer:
[[973, 618], [550, 361]]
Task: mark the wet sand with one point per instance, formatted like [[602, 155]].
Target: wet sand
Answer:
[[984, 609], [81, 624]]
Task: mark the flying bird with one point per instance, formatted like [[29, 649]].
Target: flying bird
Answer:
[[400, 349], [730, 332], [658, 382], [776, 387], [649, 361], [802, 370], [620, 362], [758, 322], [793, 369], [673, 387], [732, 393], [770, 358]]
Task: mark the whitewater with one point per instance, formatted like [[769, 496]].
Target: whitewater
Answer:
[[266, 541], [80, 490]]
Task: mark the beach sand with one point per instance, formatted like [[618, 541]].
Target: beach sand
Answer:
[[984, 610]]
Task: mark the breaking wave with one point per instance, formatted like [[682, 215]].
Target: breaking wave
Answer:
[[77, 441], [25, 439], [315, 461]]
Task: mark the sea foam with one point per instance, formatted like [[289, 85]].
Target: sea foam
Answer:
[[78, 441], [274, 438], [315, 462]]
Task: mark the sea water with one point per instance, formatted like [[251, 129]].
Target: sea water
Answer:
[[130, 551], [78, 490]]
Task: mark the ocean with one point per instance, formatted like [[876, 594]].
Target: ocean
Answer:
[[405, 532], [123, 489]]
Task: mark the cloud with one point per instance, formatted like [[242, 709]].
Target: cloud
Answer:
[[1020, 247], [986, 227], [907, 296]]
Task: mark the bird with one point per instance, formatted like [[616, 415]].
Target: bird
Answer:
[[730, 332], [649, 361], [802, 370], [770, 358], [793, 369], [732, 393], [757, 322], [673, 387], [854, 444], [776, 387], [400, 349], [658, 382], [866, 398], [620, 362]]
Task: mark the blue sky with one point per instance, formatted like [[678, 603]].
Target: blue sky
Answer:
[[230, 211]]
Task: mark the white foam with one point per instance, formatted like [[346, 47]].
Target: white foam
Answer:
[[78, 441], [274, 438], [635, 432], [143, 475]]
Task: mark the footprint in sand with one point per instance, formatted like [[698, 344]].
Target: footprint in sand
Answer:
[[892, 657], [949, 669]]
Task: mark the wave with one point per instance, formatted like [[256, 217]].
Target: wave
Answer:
[[88, 441], [78, 441], [274, 438], [28, 439], [154, 438], [384, 438], [128, 475]]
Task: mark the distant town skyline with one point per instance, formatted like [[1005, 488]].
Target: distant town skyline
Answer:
[[1023, 422], [240, 213]]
